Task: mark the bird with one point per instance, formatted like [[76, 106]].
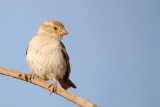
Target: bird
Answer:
[[47, 57]]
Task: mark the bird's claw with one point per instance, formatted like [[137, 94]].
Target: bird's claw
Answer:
[[30, 76], [53, 87]]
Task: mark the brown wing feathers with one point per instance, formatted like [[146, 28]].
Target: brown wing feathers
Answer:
[[66, 57], [66, 82]]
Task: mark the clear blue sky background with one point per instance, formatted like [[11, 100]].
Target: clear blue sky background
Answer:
[[114, 47]]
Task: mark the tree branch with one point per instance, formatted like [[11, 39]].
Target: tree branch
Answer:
[[44, 84]]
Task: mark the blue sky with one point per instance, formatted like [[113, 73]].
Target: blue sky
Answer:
[[114, 48]]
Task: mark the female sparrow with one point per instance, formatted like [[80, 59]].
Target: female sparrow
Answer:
[[47, 57]]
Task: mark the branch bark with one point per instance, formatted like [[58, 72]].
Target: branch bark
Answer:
[[44, 84]]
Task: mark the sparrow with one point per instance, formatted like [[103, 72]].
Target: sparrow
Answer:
[[47, 57]]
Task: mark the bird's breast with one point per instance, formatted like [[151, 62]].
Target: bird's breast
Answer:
[[47, 61]]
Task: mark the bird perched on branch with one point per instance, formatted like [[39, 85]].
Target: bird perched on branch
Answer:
[[47, 57]]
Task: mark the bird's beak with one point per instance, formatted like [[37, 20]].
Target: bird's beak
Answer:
[[63, 32]]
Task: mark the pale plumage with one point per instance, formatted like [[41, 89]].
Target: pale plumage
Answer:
[[46, 55]]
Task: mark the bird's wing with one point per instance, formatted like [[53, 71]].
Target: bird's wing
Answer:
[[66, 57]]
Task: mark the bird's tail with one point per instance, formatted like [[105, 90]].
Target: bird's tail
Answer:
[[67, 84]]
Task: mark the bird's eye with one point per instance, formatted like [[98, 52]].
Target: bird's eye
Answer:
[[55, 28]]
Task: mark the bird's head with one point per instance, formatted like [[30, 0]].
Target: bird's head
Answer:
[[52, 28]]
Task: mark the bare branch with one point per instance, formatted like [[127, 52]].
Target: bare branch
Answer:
[[44, 84]]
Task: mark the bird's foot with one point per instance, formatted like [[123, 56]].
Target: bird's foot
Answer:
[[53, 87], [31, 76]]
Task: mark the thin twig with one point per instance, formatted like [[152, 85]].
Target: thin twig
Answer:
[[44, 84]]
